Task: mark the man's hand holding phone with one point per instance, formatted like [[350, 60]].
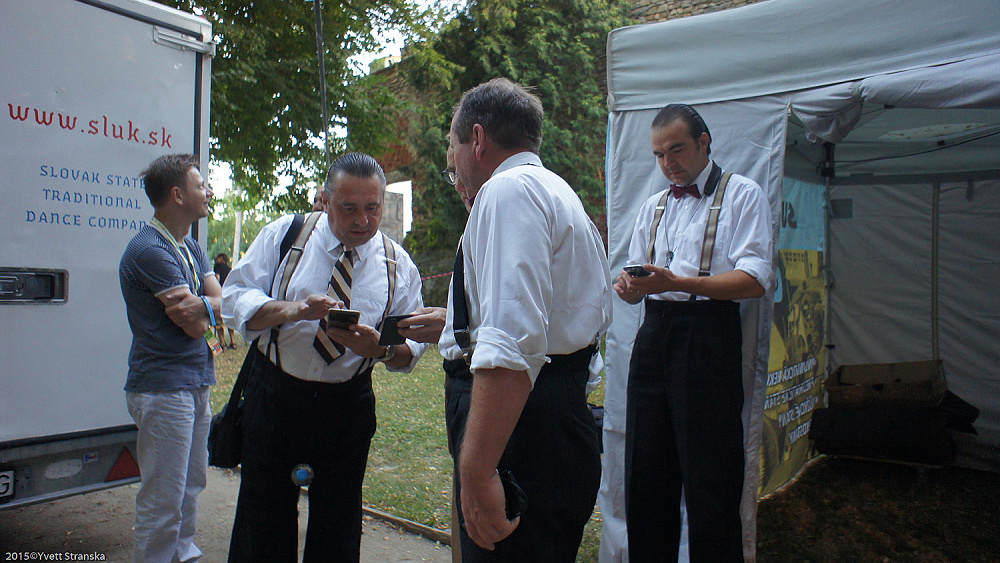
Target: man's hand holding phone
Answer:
[[636, 271], [343, 326], [342, 318], [424, 325]]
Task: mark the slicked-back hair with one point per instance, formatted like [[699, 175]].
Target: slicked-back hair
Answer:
[[687, 114], [357, 164], [164, 173], [509, 113]]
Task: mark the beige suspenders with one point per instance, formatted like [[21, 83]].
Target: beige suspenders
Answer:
[[708, 245], [390, 271], [713, 224], [657, 216], [295, 253]]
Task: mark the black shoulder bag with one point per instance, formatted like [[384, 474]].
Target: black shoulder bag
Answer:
[[225, 437]]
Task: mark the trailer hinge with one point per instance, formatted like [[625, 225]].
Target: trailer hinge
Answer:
[[164, 36]]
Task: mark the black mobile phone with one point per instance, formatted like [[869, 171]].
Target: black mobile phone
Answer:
[[390, 331], [637, 271], [342, 318], [514, 497]]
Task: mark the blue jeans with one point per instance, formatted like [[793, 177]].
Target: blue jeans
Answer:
[[172, 452]]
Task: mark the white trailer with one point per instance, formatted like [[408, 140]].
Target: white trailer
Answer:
[[91, 91]]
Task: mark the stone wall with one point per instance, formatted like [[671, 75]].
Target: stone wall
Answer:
[[649, 11], [392, 216]]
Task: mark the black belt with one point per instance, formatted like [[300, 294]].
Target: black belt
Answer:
[[691, 308], [560, 363], [266, 368]]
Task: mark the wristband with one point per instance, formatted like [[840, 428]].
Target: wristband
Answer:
[[211, 313]]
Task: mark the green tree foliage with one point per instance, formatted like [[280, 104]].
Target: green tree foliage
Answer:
[[554, 46], [266, 109], [222, 229]]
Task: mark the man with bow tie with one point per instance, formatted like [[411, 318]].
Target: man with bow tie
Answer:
[[706, 244]]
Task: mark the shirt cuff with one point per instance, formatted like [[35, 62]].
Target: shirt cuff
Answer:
[[417, 349], [245, 308], [759, 269], [184, 285], [497, 349]]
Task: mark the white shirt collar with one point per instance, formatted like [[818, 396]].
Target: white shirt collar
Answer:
[[519, 159]]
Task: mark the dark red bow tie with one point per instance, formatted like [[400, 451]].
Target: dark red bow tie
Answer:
[[678, 191]]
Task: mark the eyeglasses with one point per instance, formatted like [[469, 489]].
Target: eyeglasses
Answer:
[[450, 176]]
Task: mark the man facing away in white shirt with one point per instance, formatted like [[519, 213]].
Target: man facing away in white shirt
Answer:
[[537, 294]]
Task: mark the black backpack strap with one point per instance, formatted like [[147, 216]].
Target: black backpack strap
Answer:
[[286, 245], [294, 254]]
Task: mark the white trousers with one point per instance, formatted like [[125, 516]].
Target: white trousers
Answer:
[[172, 451]]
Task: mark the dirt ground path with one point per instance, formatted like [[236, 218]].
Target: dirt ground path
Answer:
[[100, 523]]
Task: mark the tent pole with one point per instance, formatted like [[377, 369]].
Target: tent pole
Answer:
[[827, 171], [935, 232]]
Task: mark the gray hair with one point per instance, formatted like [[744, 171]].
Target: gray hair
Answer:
[[509, 113]]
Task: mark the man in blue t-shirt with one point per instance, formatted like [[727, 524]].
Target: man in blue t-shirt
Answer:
[[172, 298]]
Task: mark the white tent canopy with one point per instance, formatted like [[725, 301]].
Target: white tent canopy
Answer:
[[909, 95], [789, 45]]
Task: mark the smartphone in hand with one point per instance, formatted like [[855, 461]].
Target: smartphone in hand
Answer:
[[637, 271], [342, 318], [390, 330], [515, 499]]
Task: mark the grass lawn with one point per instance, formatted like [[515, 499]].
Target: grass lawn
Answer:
[[838, 510], [409, 468]]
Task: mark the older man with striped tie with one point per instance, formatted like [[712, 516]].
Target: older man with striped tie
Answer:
[[309, 396]]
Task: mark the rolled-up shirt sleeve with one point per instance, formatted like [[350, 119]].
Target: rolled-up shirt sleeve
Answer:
[[248, 285], [751, 241], [512, 257]]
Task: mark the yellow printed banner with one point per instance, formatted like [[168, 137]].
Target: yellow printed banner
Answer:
[[795, 370], [797, 364]]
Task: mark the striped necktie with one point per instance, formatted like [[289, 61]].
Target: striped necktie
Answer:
[[339, 288]]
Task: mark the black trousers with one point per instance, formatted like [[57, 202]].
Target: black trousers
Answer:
[[553, 455], [684, 428], [288, 421]]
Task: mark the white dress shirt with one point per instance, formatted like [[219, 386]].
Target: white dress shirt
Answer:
[[742, 241], [536, 275], [246, 290]]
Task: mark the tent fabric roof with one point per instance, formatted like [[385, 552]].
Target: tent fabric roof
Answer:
[[787, 45]]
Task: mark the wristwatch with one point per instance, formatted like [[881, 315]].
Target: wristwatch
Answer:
[[390, 351]]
